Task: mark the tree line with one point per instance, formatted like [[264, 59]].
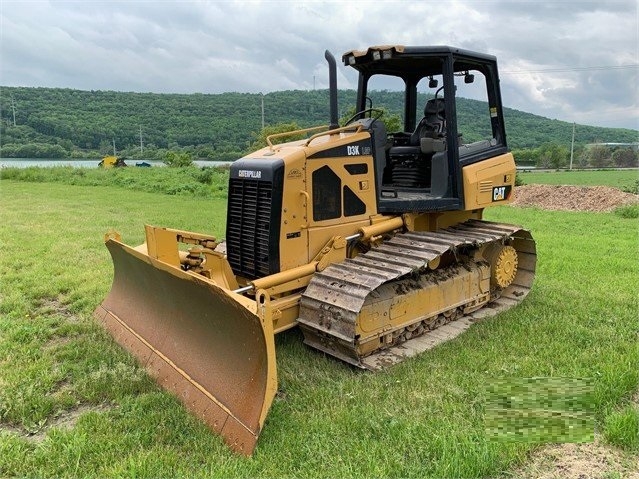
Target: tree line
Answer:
[[554, 156], [57, 123]]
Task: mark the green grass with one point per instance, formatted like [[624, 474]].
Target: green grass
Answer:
[[205, 182], [628, 211], [622, 427], [618, 178], [422, 418]]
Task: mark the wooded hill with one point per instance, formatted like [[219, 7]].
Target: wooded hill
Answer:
[[55, 122]]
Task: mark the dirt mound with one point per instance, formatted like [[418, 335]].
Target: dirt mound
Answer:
[[572, 198]]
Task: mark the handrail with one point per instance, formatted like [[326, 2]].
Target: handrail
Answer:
[[358, 128], [290, 133]]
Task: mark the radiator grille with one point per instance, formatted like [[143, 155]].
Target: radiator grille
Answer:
[[248, 227]]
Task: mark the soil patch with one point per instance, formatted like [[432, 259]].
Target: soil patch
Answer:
[[64, 420], [579, 461], [572, 198], [55, 306]]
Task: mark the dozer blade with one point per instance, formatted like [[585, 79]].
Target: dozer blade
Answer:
[[205, 344]]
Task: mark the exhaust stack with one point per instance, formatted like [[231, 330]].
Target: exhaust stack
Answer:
[[332, 89]]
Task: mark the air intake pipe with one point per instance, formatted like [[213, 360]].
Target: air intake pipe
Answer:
[[332, 89]]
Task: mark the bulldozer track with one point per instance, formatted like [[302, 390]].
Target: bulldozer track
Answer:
[[430, 339], [331, 304]]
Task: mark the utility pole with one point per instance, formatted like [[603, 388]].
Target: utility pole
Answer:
[[13, 107], [141, 144], [572, 144], [262, 111], [114, 147]]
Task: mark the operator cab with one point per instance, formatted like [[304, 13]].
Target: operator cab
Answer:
[[451, 117]]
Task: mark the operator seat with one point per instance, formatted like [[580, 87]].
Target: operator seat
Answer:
[[434, 117], [410, 164], [432, 125]]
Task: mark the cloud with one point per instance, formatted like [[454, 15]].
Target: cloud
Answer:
[[546, 49]]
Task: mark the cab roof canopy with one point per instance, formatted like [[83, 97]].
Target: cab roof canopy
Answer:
[[402, 61]]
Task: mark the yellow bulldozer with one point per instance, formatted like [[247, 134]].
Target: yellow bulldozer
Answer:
[[372, 241]]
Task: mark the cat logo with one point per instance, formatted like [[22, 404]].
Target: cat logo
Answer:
[[500, 193]]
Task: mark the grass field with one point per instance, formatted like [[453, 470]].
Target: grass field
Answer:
[[208, 182], [73, 404], [211, 182], [621, 179]]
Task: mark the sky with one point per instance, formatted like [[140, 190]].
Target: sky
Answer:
[[575, 61]]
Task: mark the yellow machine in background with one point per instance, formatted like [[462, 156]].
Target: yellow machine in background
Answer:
[[371, 241], [111, 162]]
